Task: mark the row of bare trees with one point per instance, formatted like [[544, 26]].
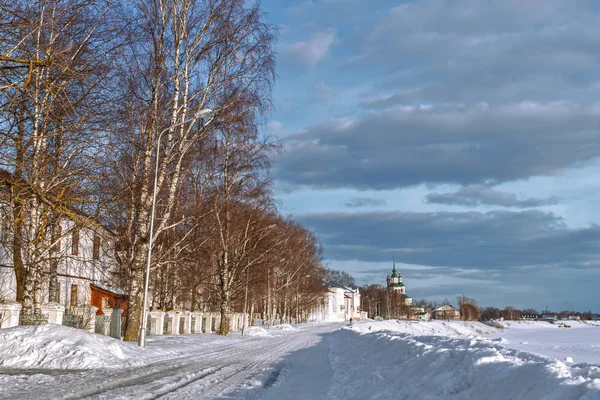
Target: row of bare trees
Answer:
[[513, 313], [379, 301], [102, 99]]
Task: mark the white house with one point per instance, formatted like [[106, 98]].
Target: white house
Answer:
[[423, 316], [446, 312], [340, 303], [83, 256]]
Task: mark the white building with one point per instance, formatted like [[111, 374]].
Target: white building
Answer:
[[340, 303], [83, 256], [423, 316], [446, 312]]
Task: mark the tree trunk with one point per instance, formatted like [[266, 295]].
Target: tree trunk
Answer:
[[224, 327], [136, 294], [21, 274]]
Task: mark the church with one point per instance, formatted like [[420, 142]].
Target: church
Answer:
[[394, 282]]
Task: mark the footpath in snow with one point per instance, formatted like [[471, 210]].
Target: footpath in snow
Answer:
[[365, 360]]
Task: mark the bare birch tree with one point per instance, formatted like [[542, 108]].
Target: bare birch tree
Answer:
[[54, 61], [187, 55]]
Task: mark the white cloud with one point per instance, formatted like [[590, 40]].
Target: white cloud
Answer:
[[309, 52], [324, 92]]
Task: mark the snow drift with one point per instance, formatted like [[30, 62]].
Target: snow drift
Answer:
[[257, 331], [59, 347], [438, 328], [387, 364]]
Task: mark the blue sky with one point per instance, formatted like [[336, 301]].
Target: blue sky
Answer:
[[461, 137]]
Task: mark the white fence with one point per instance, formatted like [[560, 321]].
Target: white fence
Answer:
[[160, 322]]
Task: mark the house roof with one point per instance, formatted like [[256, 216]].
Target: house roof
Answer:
[[446, 307], [337, 285]]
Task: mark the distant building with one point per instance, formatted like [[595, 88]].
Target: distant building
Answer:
[[394, 282], [340, 303], [446, 312], [530, 317], [549, 318], [423, 316]]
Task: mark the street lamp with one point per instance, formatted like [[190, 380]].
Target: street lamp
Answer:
[[142, 336]]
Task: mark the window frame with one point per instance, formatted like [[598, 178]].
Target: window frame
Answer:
[[74, 294], [57, 294], [75, 242], [59, 238], [96, 246]]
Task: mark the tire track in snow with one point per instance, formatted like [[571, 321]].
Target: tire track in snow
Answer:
[[209, 370], [171, 369], [257, 363]]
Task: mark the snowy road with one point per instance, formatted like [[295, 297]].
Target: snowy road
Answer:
[[223, 368], [370, 359]]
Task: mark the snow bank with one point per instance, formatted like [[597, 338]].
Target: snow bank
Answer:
[[437, 328], [543, 324], [284, 328], [388, 364], [270, 331], [257, 331], [59, 347], [524, 324]]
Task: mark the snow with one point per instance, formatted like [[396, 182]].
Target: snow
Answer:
[[366, 359], [258, 331], [453, 367], [284, 328], [581, 341], [59, 347], [444, 328]]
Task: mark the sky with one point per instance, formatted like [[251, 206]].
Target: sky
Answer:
[[460, 137]]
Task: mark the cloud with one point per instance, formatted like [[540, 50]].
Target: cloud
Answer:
[[308, 53], [468, 51], [276, 128], [364, 202], [459, 144], [324, 92], [477, 195], [471, 240], [468, 93]]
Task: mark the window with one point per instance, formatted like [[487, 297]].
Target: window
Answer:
[[75, 242], [58, 292], [58, 238], [96, 249], [73, 295], [4, 228]]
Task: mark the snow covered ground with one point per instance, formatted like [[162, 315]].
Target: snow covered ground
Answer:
[[365, 360], [577, 343]]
